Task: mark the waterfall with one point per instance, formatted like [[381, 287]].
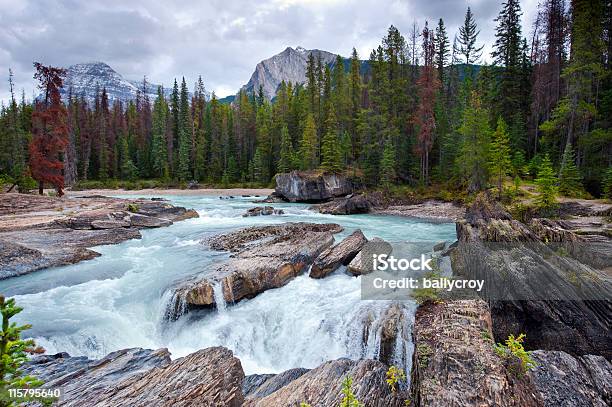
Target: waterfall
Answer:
[[220, 303]]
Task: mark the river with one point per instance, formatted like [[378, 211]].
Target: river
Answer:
[[118, 300]]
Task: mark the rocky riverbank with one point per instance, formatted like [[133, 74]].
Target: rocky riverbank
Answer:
[[37, 232]]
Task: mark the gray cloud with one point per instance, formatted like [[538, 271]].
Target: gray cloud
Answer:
[[222, 40]]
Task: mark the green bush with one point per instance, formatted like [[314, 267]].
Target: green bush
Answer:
[[349, 399], [395, 375], [132, 208], [513, 351]]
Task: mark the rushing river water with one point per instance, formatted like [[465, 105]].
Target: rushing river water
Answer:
[[118, 300]]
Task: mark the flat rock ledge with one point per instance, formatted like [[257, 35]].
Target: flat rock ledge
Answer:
[[341, 254], [433, 211], [263, 257], [37, 232]]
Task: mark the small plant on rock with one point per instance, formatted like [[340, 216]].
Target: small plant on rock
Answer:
[[395, 375], [513, 350], [132, 208], [349, 399]]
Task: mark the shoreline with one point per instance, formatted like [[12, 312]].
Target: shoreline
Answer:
[[262, 192]]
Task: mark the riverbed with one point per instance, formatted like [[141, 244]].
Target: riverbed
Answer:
[[118, 300]]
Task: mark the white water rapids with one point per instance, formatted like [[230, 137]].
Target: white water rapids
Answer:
[[118, 300]]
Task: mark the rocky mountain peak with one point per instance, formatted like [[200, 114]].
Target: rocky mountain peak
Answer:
[[289, 66]]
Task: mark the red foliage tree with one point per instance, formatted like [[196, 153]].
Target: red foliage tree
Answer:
[[50, 130], [428, 85]]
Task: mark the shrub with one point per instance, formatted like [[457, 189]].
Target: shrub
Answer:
[[349, 399], [395, 376], [132, 208], [513, 350]]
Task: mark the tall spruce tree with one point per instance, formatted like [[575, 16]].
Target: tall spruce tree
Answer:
[[570, 180], [185, 135], [499, 155], [159, 153], [468, 35], [442, 49], [546, 184]]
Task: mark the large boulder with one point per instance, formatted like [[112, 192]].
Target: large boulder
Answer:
[[262, 211], [362, 262], [322, 386], [311, 187], [535, 281], [140, 377], [263, 257], [454, 363], [350, 205], [340, 254]]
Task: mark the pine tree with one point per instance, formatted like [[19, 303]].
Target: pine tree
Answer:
[[50, 130], [331, 159], [468, 35], [14, 352], [159, 152], [308, 145], [442, 49], [285, 162], [472, 159], [387, 165], [499, 155], [546, 184], [185, 134], [570, 180]]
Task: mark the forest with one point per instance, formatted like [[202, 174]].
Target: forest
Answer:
[[426, 112]]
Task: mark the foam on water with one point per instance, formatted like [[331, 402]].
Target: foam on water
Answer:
[[118, 300]]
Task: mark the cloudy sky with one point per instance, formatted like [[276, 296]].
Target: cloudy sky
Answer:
[[222, 40]]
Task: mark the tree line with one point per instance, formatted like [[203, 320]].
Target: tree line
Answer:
[[421, 111]]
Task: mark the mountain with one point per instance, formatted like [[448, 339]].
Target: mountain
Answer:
[[289, 65], [88, 78]]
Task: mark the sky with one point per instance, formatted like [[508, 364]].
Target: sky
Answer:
[[221, 40]]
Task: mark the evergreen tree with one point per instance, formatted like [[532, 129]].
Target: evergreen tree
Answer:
[[441, 48], [331, 158], [546, 184], [14, 352], [499, 155], [286, 160], [308, 145], [468, 35], [159, 152], [387, 165], [570, 180], [185, 134], [472, 159]]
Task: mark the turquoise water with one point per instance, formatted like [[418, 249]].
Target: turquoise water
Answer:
[[118, 300]]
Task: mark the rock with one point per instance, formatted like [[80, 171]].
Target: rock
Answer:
[[353, 204], [432, 211], [272, 198], [193, 185], [48, 231], [109, 224], [264, 257], [375, 246], [259, 386], [311, 187], [340, 254], [263, 210], [138, 377], [144, 221], [321, 387], [559, 302], [565, 381], [454, 363], [438, 247]]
